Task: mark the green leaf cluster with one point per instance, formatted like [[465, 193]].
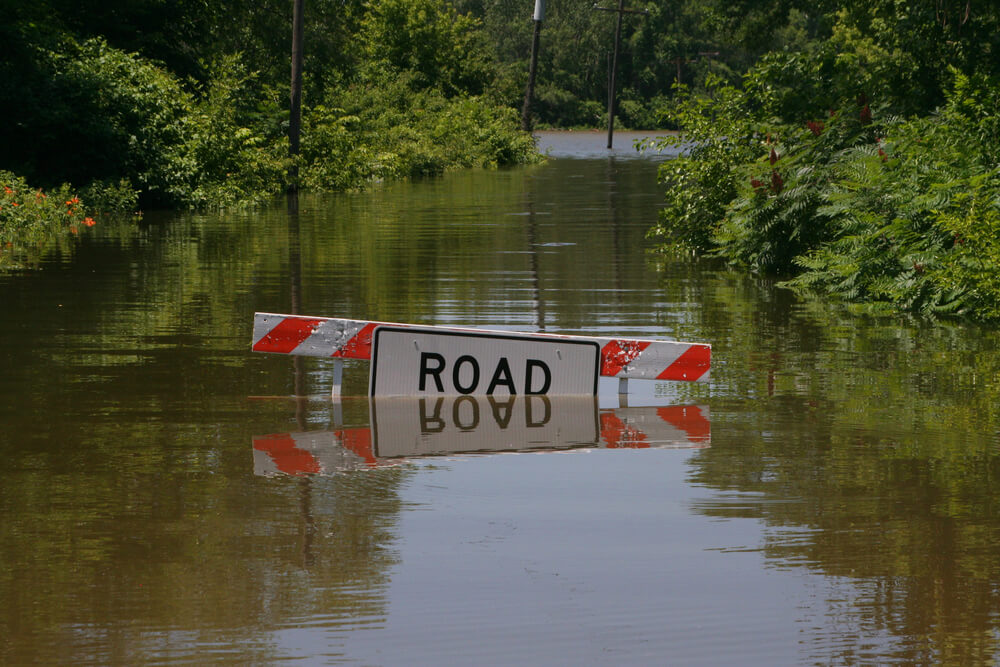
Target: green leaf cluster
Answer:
[[430, 40], [848, 171]]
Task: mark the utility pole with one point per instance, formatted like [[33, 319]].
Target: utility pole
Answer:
[[614, 61], [679, 61], [539, 16], [295, 110]]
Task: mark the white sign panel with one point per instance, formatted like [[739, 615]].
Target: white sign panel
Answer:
[[409, 361]]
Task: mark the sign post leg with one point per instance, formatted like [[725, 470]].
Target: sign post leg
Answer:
[[338, 377], [337, 414], [623, 392]]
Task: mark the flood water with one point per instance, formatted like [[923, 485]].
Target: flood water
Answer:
[[830, 497]]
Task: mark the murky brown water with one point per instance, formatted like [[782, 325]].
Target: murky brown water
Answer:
[[832, 497]]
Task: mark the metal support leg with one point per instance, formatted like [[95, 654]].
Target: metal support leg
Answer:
[[338, 377], [623, 392], [337, 414]]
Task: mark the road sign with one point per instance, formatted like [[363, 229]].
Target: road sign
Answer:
[[412, 361], [338, 338]]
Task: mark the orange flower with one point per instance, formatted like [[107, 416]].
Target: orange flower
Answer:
[[7, 189], [14, 203], [89, 222]]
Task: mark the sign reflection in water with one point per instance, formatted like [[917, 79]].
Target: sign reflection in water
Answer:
[[405, 428]]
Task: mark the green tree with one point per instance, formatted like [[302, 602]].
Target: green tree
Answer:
[[428, 38], [851, 169]]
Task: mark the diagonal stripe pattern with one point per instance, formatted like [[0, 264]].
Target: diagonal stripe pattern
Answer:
[[352, 339]]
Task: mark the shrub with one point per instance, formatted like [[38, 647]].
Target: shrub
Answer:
[[912, 223], [717, 139], [98, 114], [856, 204], [116, 116], [384, 129], [233, 154], [32, 220], [970, 269]]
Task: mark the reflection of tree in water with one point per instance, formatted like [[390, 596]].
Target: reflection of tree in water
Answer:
[[869, 452], [339, 551], [157, 552], [133, 526], [912, 536]]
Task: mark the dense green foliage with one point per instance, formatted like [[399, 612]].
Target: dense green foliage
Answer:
[[34, 221], [684, 41], [187, 103], [850, 147], [865, 167], [205, 123]]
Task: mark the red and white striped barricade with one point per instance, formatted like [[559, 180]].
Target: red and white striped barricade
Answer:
[[338, 339], [408, 428]]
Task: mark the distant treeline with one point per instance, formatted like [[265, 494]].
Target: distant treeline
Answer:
[[851, 147], [187, 100]]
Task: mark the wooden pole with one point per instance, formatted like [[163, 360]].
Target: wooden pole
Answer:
[[295, 110], [530, 92], [614, 69], [614, 62], [533, 66]]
